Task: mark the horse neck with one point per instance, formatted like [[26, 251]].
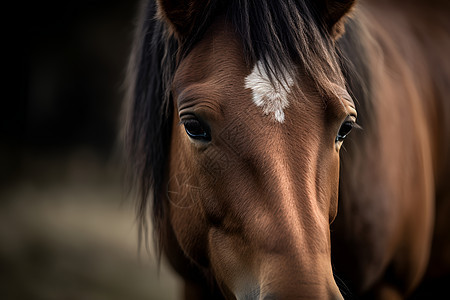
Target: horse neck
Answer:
[[412, 46]]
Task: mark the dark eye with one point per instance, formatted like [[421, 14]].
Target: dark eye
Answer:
[[196, 130], [345, 129]]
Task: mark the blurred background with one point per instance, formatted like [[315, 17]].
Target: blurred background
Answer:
[[67, 226]]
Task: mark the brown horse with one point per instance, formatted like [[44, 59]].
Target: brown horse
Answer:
[[237, 118]]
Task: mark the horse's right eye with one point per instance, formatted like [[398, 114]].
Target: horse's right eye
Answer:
[[196, 130]]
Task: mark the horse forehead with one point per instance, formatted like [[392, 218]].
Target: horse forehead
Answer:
[[216, 67], [270, 95], [217, 55]]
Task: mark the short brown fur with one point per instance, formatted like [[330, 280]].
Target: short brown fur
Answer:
[[247, 214]]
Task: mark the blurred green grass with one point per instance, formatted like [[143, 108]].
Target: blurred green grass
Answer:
[[68, 231]]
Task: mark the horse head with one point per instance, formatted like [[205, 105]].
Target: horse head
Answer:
[[259, 111]]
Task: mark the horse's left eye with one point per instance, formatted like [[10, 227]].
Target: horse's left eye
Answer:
[[196, 130], [345, 129]]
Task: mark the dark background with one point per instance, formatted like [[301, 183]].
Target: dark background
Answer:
[[67, 227]]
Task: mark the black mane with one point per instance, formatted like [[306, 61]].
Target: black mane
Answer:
[[148, 112], [281, 34]]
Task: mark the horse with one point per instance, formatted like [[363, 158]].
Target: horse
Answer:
[[294, 149]]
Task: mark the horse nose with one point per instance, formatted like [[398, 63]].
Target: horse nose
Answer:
[[332, 296], [258, 293]]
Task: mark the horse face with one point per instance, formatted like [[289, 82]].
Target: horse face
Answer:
[[253, 172]]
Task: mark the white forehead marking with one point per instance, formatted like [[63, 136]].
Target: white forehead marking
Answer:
[[271, 97]]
